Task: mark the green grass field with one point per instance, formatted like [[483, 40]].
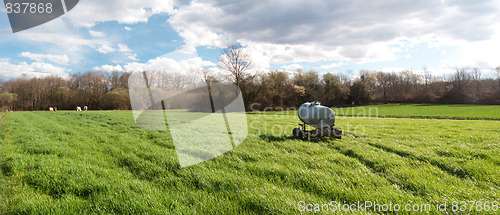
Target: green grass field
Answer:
[[101, 162], [415, 111], [425, 111]]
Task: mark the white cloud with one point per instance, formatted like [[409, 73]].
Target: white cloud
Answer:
[[128, 52], [109, 68], [393, 69], [59, 59], [166, 64], [332, 65], [105, 49], [63, 37], [195, 31], [134, 67], [72, 33], [287, 32], [96, 33], [88, 13], [123, 48], [64, 40], [449, 67], [485, 52], [10, 70], [342, 30], [157, 64], [293, 67], [477, 54], [131, 56]]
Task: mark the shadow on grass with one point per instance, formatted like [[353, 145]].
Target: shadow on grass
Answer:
[[451, 170], [271, 138], [425, 105]]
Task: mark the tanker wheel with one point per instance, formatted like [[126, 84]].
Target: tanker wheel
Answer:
[[298, 133], [337, 133]]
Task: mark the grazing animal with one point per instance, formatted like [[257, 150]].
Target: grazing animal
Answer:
[[51, 109], [85, 108], [55, 109], [78, 108]]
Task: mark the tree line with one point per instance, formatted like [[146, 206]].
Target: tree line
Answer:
[[97, 90], [282, 89], [110, 91]]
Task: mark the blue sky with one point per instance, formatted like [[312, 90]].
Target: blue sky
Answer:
[[327, 36]]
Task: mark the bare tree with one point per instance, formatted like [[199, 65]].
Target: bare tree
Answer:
[[384, 80], [476, 81], [115, 80], [460, 79], [207, 76], [235, 60], [497, 70], [427, 77], [178, 80], [476, 74]]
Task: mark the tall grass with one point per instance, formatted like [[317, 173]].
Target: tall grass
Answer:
[[425, 111], [490, 112], [101, 162]]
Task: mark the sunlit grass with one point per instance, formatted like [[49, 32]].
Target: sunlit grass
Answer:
[[101, 162], [412, 111], [425, 111]]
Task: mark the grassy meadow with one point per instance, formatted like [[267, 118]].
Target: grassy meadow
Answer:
[[425, 111], [101, 162], [485, 112]]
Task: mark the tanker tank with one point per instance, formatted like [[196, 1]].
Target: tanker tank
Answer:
[[320, 117], [316, 115]]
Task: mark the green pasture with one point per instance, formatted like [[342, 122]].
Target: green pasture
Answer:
[[101, 162]]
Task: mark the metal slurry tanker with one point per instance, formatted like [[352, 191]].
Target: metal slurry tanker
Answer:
[[320, 117]]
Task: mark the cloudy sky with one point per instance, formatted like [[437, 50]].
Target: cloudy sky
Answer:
[[328, 36]]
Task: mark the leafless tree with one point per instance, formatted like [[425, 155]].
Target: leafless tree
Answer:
[[427, 77], [178, 80], [207, 76], [384, 80], [476, 81], [476, 74], [237, 61], [497, 70], [461, 78]]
